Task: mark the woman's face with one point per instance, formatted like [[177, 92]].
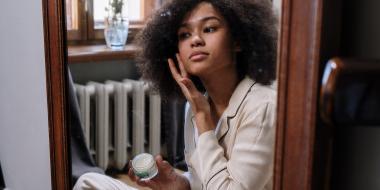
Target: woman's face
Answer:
[[204, 42]]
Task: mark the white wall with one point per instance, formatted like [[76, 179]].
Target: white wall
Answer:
[[24, 141]]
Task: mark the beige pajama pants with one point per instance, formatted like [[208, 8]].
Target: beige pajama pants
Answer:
[[95, 181]]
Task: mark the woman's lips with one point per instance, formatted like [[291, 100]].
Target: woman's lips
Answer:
[[198, 56]]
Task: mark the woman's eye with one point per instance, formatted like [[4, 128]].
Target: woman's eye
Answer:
[[209, 29], [183, 35]]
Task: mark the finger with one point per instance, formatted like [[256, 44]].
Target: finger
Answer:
[[178, 79], [163, 166], [148, 183], [130, 171], [174, 70], [186, 92], [131, 175], [190, 86], [129, 164], [159, 161], [187, 83], [159, 157], [192, 94], [181, 67], [141, 183]]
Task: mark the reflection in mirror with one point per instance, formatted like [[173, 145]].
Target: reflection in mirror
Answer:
[[129, 101]]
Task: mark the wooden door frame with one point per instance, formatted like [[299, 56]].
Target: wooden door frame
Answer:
[[297, 93], [55, 63]]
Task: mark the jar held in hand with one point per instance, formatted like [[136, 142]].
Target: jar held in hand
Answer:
[[144, 166]]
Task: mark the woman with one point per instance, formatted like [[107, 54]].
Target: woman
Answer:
[[221, 55]]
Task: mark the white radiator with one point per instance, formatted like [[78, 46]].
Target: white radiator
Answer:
[[113, 110]]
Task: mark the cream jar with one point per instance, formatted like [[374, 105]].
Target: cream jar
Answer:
[[144, 166]]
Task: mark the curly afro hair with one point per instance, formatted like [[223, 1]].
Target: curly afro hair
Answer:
[[252, 24]]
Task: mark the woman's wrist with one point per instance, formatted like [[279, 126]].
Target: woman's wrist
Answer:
[[204, 123]]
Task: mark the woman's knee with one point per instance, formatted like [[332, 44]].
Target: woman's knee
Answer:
[[89, 181]]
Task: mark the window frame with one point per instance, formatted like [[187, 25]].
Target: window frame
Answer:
[[86, 34], [81, 32]]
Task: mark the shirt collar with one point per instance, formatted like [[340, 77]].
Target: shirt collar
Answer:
[[236, 100], [238, 96]]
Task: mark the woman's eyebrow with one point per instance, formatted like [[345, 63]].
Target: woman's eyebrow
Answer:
[[202, 20]]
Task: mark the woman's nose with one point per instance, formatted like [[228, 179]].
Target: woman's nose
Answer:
[[197, 41]]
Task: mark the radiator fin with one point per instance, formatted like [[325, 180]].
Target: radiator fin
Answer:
[[115, 104]]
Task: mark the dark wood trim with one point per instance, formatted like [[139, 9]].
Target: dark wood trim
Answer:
[[297, 93], [334, 74], [90, 21], [74, 35], [331, 73], [80, 33], [54, 37], [148, 7], [93, 53]]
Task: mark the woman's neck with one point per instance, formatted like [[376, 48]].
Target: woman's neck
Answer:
[[219, 87]]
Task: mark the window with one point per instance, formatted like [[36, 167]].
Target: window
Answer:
[[85, 18]]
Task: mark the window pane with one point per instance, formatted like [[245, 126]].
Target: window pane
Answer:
[[71, 14], [131, 9]]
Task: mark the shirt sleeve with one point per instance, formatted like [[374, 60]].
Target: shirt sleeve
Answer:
[[250, 165], [191, 176], [194, 182]]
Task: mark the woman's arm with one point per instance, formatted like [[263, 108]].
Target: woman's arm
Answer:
[[166, 179], [251, 161], [199, 105], [250, 164]]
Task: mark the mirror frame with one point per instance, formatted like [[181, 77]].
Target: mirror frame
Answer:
[[299, 61], [298, 58], [55, 60]]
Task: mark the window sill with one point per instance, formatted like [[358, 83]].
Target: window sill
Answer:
[[94, 53]]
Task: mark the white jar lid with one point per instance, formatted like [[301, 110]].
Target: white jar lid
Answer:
[[144, 166]]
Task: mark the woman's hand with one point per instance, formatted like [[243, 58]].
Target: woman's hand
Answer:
[[166, 179], [199, 104]]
